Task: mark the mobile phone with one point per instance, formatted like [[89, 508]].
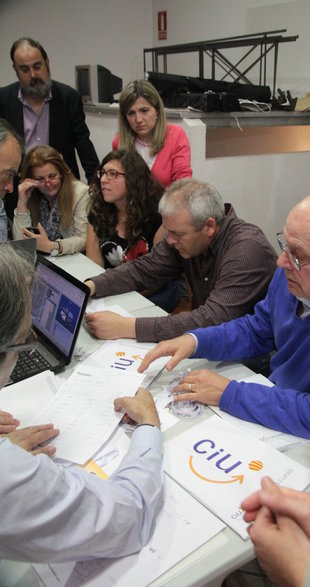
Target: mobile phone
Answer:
[[33, 229]]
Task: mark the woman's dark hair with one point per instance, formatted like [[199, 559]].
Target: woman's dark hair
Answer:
[[143, 194]]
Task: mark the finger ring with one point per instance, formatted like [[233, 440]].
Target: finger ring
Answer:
[[189, 386]]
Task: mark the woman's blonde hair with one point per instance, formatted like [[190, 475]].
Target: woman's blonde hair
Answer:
[[134, 90], [37, 157]]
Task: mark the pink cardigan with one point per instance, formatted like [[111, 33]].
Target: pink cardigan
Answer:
[[174, 160]]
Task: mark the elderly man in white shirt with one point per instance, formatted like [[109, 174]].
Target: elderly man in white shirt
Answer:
[[51, 513], [10, 158]]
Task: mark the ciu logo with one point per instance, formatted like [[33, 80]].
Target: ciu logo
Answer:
[[223, 462], [124, 363]]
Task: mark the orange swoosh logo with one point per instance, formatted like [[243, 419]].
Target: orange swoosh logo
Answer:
[[234, 478]]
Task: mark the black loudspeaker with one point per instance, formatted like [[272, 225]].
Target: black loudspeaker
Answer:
[[181, 91]]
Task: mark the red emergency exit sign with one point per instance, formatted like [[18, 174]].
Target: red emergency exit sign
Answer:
[[162, 25]]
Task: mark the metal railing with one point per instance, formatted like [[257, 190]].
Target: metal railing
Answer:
[[261, 43]]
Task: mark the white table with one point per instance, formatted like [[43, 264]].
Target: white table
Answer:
[[212, 562]]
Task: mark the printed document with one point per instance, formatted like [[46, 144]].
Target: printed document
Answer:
[[221, 466], [84, 412]]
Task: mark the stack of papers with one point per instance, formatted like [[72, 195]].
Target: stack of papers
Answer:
[[82, 407], [83, 410]]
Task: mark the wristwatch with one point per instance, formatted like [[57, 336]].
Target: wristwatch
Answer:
[[56, 249]]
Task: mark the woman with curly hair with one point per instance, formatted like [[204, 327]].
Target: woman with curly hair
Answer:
[[123, 217], [52, 203]]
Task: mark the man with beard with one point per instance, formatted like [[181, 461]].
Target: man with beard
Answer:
[[44, 111]]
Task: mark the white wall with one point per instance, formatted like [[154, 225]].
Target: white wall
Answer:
[[262, 188], [108, 32], [200, 20]]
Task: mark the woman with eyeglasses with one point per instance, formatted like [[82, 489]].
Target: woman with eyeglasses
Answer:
[[123, 217], [143, 128], [51, 204]]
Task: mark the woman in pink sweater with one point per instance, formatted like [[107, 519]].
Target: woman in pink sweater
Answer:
[[143, 128]]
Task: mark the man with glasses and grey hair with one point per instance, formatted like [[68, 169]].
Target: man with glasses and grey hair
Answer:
[[227, 261], [280, 323], [53, 513]]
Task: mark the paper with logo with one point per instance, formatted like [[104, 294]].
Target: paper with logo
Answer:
[[220, 467], [83, 410], [122, 357], [182, 525]]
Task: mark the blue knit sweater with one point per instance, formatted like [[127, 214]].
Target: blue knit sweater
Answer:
[[274, 325]]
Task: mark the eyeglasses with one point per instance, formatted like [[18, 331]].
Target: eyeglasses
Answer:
[[284, 249], [50, 178], [110, 173], [28, 344]]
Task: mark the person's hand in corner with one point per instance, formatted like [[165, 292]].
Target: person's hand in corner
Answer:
[[140, 408], [110, 326], [280, 532], [280, 500]]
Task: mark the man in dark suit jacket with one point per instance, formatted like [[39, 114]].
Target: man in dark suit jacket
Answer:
[[45, 101]]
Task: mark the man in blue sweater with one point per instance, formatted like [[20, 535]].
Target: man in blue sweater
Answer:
[[280, 322]]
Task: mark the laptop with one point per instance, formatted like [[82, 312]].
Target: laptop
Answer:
[[58, 305]]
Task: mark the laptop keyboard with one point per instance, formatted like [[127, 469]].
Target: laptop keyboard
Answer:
[[29, 363]]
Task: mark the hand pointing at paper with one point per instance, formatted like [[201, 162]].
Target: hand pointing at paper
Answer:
[[179, 348], [203, 386]]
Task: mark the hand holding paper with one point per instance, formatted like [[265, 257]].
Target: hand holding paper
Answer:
[[140, 408]]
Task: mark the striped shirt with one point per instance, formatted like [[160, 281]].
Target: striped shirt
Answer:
[[227, 279]]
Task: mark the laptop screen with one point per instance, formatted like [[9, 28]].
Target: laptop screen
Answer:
[[58, 305]]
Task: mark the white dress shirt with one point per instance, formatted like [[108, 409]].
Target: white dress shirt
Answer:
[[51, 513]]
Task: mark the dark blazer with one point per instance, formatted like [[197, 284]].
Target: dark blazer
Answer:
[[67, 127]]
